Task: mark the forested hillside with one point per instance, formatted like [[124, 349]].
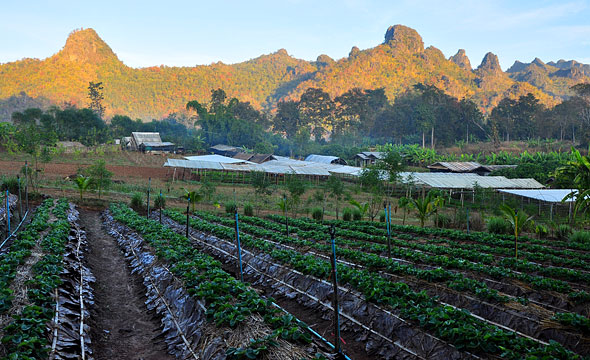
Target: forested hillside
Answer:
[[397, 64]]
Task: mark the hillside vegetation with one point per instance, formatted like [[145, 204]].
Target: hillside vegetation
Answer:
[[397, 64]]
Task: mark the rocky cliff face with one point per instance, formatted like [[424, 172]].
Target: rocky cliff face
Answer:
[[461, 59]]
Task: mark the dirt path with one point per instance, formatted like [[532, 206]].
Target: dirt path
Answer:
[[122, 328]]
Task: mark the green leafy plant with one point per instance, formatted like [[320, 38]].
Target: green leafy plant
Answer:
[[582, 237], [136, 201], [248, 209], [317, 214], [518, 220], [498, 225], [82, 183]]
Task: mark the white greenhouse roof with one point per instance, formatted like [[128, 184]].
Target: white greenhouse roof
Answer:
[[467, 181], [547, 195], [216, 158]]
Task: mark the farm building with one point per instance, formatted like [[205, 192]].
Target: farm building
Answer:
[[466, 181], [255, 158], [325, 159], [465, 167], [224, 150], [149, 142], [548, 201], [366, 158]]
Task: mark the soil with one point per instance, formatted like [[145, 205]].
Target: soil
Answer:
[[122, 327]]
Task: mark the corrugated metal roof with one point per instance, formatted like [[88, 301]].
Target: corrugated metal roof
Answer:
[[345, 170], [310, 170], [457, 166], [241, 167], [467, 181], [157, 144], [193, 164], [221, 147], [146, 137], [547, 195], [216, 158], [243, 156], [324, 159]]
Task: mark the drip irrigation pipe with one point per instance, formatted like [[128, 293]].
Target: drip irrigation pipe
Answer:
[[15, 230]]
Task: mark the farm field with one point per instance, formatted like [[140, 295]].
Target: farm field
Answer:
[[114, 283]]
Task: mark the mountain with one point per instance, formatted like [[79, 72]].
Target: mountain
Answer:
[[396, 64]]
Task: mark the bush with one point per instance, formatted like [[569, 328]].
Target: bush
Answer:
[[563, 231], [442, 221], [160, 202], [230, 207], [476, 222], [10, 184], [357, 215], [498, 225], [346, 214], [382, 216], [582, 237], [541, 231], [137, 201], [317, 214], [248, 210]]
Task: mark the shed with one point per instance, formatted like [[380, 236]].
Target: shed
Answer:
[[459, 167], [156, 147], [368, 157], [138, 138], [224, 150], [325, 159]]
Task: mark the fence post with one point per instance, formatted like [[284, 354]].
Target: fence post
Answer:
[[187, 214], [239, 245], [27, 184], [160, 206], [148, 196], [387, 217], [286, 218], [337, 346], [7, 213], [20, 200], [467, 220]]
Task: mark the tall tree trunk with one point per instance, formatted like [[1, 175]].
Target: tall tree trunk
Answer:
[[432, 138], [423, 139]]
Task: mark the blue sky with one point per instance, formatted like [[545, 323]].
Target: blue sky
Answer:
[[186, 33]]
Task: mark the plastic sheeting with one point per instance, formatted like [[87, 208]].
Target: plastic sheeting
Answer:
[[316, 294], [467, 181], [546, 195]]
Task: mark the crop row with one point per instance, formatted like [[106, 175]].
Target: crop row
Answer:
[[274, 231], [450, 324], [228, 301], [452, 280], [26, 335], [455, 261], [20, 251], [555, 247], [409, 241]]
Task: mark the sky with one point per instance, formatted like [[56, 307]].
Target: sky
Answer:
[[187, 33]]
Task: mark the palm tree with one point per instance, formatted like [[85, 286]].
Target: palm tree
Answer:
[[427, 206], [193, 197], [82, 182], [518, 220]]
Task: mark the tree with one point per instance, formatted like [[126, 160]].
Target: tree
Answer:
[[336, 190], [83, 183], [426, 206], [193, 197], [101, 177], [518, 220], [404, 203], [577, 173], [96, 97], [262, 184], [35, 143], [296, 188]]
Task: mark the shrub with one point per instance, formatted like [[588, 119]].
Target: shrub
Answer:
[[230, 207], [382, 216], [346, 214], [357, 215], [541, 231], [137, 201], [563, 231], [582, 237], [10, 184], [442, 221], [248, 210], [498, 225], [476, 222], [317, 213], [160, 202]]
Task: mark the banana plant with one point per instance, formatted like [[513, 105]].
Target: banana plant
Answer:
[[83, 183], [193, 197], [518, 220]]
